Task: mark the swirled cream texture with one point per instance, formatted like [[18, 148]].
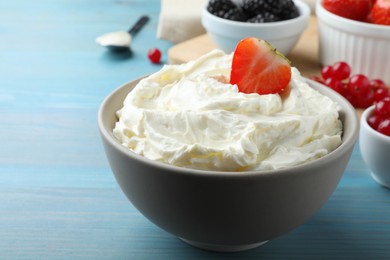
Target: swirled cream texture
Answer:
[[184, 115]]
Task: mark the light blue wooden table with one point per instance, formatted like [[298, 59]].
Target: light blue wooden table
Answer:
[[58, 197]]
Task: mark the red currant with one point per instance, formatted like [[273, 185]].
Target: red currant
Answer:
[[374, 121], [382, 107], [359, 84], [350, 98], [358, 89], [384, 127], [377, 83], [327, 72], [364, 101], [154, 55], [380, 93], [336, 85], [341, 70]]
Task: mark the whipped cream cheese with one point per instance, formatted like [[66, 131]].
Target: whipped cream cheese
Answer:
[[185, 115]]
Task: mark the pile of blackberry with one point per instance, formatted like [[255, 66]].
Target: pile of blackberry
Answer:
[[254, 11]]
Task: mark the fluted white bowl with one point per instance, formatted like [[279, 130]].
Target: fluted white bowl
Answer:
[[365, 46]]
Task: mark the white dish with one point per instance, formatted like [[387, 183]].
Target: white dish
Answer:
[[375, 150], [283, 35], [364, 46]]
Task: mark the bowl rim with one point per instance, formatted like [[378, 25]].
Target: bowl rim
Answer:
[[364, 124], [349, 25], [345, 145], [304, 13]]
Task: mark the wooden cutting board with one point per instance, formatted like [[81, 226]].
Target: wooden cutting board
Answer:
[[304, 56]]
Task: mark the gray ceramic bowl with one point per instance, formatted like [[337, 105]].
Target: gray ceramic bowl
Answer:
[[225, 211]]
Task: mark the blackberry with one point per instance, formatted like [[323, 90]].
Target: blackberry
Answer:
[[235, 15], [288, 10], [283, 9], [264, 17], [226, 9], [254, 7]]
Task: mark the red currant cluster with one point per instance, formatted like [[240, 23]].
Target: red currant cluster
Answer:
[[358, 89], [380, 118]]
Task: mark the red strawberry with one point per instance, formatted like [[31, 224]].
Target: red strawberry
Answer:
[[352, 9], [380, 12], [258, 67]]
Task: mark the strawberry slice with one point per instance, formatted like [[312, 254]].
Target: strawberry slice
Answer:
[[352, 9], [257, 67], [380, 12]]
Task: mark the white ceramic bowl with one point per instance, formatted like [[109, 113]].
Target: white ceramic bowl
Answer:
[[375, 150], [283, 35], [365, 46], [225, 211]]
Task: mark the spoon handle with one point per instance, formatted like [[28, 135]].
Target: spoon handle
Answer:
[[139, 24]]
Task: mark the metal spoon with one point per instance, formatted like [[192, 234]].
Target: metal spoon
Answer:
[[121, 40]]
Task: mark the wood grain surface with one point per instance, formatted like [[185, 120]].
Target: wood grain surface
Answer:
[[58, 197]]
